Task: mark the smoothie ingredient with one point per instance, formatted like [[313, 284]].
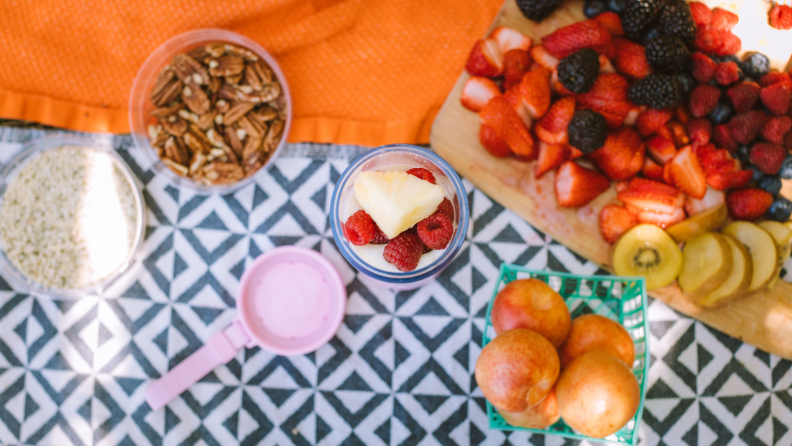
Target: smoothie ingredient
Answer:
[[647, 250], [540, 416], [435, 231], [595, 333], [739, 279], [763, 250], [531, 304], [360, 229], [404, 251], [706, 264]]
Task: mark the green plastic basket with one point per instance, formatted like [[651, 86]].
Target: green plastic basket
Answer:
[[622, 299]]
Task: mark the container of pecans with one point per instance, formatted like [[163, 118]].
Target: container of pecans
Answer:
[[211, 108]]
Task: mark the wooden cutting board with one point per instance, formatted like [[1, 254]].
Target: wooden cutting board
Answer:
[[763, 320]]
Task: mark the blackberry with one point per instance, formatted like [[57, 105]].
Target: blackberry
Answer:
[[722, 112], [637, 15], [771, 184], [668, 54], [658, 91], [675, 20], [593, 8], [587, 131], [650, 34], [780, 210], [755, 64], [538, 10], [578, 71]]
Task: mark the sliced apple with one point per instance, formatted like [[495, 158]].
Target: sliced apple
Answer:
[[764, 253], [701, 223], [782, 235], [706, 264], [736, 285]]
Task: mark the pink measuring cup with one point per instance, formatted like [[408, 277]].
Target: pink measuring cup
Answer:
[[291, 302]]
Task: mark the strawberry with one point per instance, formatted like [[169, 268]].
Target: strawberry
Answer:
[[776, 128], [632, 116], [702, 151], [709, 159], [703, 67], [708, 40], [699, 130], [605, 64], [680, 134], [748, 204], [622, 155], [516, 63], [665, 132], [662, 220], [780, 17], [569, 39], [702, 16], [687, 174], [543, 58], [683, 114], [729, 180], [745, 127], [552, 128], [607, 50], [722, 137], [767, 157], [724, 20], [667, 179], [615, 220], [731, 45], [712, 199], [774, 77], [550, 157], [651, 120], [534, 92], [776, 98], [496, 146], [574, 153], [510, 39], [652, 170], [509, 127], [477, 92], [744, 95], [703, 100], [512, 96], [575, 185], [485, 59], [727, 73], [722, 167], [610, 21], [660, 149], [652, 196], [608, 96], [630, 59]]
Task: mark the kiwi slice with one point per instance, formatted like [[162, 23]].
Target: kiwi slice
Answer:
[[647, 250], [707, 262], [707, 221], [763, 250], [736, 285], [782, 234]]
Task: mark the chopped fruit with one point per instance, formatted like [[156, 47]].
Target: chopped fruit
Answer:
[[660, 149], [712, 199], [485, 59], [534, 91], [738, 281], [435, 231], [703, 100], [706, 264], [622, 155], [724, 20], [687, 174], [510, 39], [379, 238], [575, 185], [574, 153], [767, 157], [731, 45], [745, 127], [708, 40], [662, 220], [610, 21], [774, 77], [680, 134], [508, 125], [722, 137], [729, 180], [683, 114], [496, 146], [404, 251], [762, 248], [512, 96], [648, 251], [652, 196], [780, 17], [744, 95], [608, 97], [550, 157], [587, 131], [651, 120], [667, 174], [605, 64], [543, 58], [711, 157], [395, 200], [477, 92], [632, 117], [446, 208], [782, 235], [423, 174], [703, 67], [552, 128], [607, 50], [703, 150], [515, 64], [707, 221], [360, 229], [776, 129], [652, 170], [615, 221], [776, 98], [578, 71], [727, 73], [699, 130], [630, 59], [565, 41], [748, 203], [701, 14]]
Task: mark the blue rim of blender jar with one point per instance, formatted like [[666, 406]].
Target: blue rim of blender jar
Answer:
[[411, 276]]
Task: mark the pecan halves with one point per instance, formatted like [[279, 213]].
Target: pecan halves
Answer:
[[175, 150], [195, 98], [237, 111]]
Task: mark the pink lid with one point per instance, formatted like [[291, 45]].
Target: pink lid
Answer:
[[291, 300]]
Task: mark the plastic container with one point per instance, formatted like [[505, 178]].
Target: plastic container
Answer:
[[377, 159], [140, 104], [9, 172], [622, 299]]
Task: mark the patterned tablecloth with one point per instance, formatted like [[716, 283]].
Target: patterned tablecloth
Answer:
[[399, 371]]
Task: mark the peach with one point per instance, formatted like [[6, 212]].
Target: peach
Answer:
[[597, 394], [531, 304], [540, 416], [517, 369], [595, 333]]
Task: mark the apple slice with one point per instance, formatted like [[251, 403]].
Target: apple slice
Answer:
[[701, 223], [736, 285], [706, 264], [763, 249], [782, 234]]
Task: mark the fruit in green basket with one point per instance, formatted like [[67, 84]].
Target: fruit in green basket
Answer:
[[517, 369], [736, 284], [782, 235], [763, 250], [707, 221], [540, 416], [647, 250], [531, 304], [595, 333], [706, 264], [597, 394]]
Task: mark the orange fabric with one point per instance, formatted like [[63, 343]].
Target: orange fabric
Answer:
[[366, 72]]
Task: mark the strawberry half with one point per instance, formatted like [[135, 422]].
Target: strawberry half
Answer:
[[687, 174], [550, 157], [510, 39], [730, 180], [575, 185], [662, 220], [661, 149], [610, 21], [485, 59], [494, 144], [516, 63], [622, 155], [615, 220], [652, 196], [630, 59], [652, 170], [540, 55], [534, 92], [569, 39], [651, 120], [477, 92], [499, 115], [552, 128], [608, 97]]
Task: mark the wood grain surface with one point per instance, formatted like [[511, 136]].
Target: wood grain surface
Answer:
[[763, 319]]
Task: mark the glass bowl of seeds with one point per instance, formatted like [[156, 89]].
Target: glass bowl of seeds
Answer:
[[71, 217], [211, 108]]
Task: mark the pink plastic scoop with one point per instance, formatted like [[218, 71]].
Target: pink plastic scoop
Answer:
[[291, 301]]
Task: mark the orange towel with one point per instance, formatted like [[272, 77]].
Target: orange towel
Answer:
[[366, 72]]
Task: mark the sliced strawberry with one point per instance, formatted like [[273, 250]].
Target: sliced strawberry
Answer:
[[569, 39], [574, 153], [494, 144], [647, 195], [499, 115], [610, 21], [700, 131], [678, 131], [662, 220], [485, 59], [709, 159], [665, 132], [510, 39], [550, 157], [701, 151], [575, 185], [477, 92], [615, 220], [730, 180], [608, 97], [632, 116], [683, 114], [552, 128], [543, 58], [660, 149], [512, 96], [701, 13], [516, 63], [652, 170], [630, 59], [534, 91], [713, 198], [622, 155], [667, 179], [607, 50], [651, 120], [605, 64], [687, 174]]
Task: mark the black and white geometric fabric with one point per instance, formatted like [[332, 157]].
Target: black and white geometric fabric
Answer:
[[398, 372]]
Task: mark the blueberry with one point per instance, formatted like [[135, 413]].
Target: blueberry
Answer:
[[687, 83], [780, 210], [742, 154], [730, 58], [770, 184], [757, 174], [755, 64], [786, 168], [593, 8], [617, 6], [650, 34], [722, 112]]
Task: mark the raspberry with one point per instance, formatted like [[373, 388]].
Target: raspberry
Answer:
[[723, 138], [731, 44], [446, 208], [767, 157], [703, 67], [379, 238], [723, 19], [703, 100], [404, 251], [745, 127], [744, 95], [748, 203], [780, 17], [727, 73], [360, 229], [423, 174], [776, 128], [708, 40], [776, 98], [435, 231], [774, 77], [699, 130]]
